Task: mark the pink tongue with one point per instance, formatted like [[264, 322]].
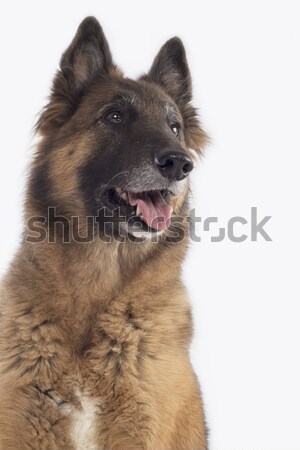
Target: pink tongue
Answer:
[[155, 211]]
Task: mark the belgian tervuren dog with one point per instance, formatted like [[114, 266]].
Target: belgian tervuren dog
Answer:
[[95, 321]]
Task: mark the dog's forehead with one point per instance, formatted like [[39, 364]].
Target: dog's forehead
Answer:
[[145, 103], [141, 95]]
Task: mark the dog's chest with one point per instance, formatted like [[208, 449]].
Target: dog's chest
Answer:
[[83, 424], [111, 354]]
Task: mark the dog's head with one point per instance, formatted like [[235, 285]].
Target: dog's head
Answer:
[[114, 144]]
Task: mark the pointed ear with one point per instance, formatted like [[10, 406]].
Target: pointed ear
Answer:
[[170, 70], [87, 58]]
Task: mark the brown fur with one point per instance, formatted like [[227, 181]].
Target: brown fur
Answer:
[[108, 321]]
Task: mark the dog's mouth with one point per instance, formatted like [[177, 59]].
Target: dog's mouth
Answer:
[[150, 208]]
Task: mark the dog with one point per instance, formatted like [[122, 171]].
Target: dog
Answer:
[[95, 320]]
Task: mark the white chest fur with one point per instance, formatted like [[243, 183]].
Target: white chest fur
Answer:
[[84, 424]]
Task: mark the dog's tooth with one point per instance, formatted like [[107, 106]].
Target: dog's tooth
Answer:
[[138, 211], [124, 196]]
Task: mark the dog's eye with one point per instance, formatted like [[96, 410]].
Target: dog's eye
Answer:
[[175, 128], [114, 116]]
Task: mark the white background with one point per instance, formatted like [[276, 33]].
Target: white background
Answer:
[[244, 58]]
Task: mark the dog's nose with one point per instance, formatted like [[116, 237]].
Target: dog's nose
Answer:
[[173, 165]]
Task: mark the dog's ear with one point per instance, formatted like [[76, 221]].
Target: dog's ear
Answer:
[[87, 58], [170, 70]]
